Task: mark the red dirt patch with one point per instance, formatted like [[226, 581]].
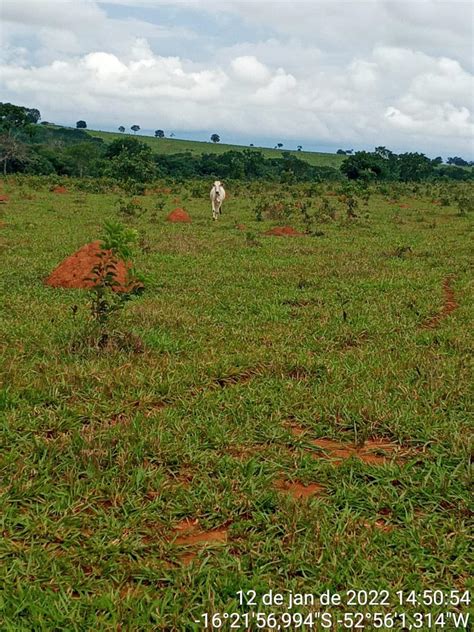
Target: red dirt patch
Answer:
[[241, 227], [187, 533], [283, 231], [373, 451], [4, 199], [178, 215], [75, 269], [59, 189], [298, 490], [244, 452], [449, 305]]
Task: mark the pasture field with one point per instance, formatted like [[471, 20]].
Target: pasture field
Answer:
[[286, 413], [176, 145]]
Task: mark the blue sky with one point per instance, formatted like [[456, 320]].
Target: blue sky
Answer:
[[324, 74]]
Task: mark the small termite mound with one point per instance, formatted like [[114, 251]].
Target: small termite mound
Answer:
[[76, 271], [283, 231], [179, 215]]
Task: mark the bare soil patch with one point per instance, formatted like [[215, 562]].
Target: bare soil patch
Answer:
[[299, 490], [449, 305], [244, 452], [283, 231], [4, 199], [75, 271], [59, 189], [179, 215], [188, 534], [374, 451]]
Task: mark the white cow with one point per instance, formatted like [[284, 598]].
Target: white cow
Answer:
[[217, 196]]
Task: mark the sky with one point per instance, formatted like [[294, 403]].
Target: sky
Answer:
[[324, 74]]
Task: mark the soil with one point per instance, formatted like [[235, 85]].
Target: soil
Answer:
[[299, 490], [178, 215], [60, 189], [373, 451], [449, 305], [74, 271], [283, 231], [241, 227], [187, 533], [4, 199]]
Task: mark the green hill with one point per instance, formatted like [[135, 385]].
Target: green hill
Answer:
[[175, 146]]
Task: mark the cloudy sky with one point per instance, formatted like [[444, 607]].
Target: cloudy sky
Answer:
[[324, 74]]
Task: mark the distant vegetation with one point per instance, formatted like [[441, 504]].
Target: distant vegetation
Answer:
[[30, 148]]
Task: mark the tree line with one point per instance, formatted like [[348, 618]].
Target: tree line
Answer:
[[29, 147]]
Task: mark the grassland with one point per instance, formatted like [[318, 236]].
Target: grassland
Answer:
[[174, 145], [144, 485]]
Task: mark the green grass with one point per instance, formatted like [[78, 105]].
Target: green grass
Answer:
[[174, 146], [106, 451]]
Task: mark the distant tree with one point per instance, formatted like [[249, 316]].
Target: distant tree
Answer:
[[45, 123], [172, 135], [33, 115], [159, 133], [121, 129], [82, 155], [414, 167], [438, 160], [215, 138], [12, 116], [459, 162], [340, 152], [300, 147], [384, 152], [129, 159], [81, 125], [12, 149], [279, 145], [135, 128], [363, 165], [349, 152], [251, 145]]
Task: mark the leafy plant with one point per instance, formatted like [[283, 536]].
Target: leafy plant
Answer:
[[307, 217], [130, 208], [108, 294], [351, 206]]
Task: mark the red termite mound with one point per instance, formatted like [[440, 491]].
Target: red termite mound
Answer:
[[4, 199], [283, 231], [76, 269], [178, 215], [59, 189]]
